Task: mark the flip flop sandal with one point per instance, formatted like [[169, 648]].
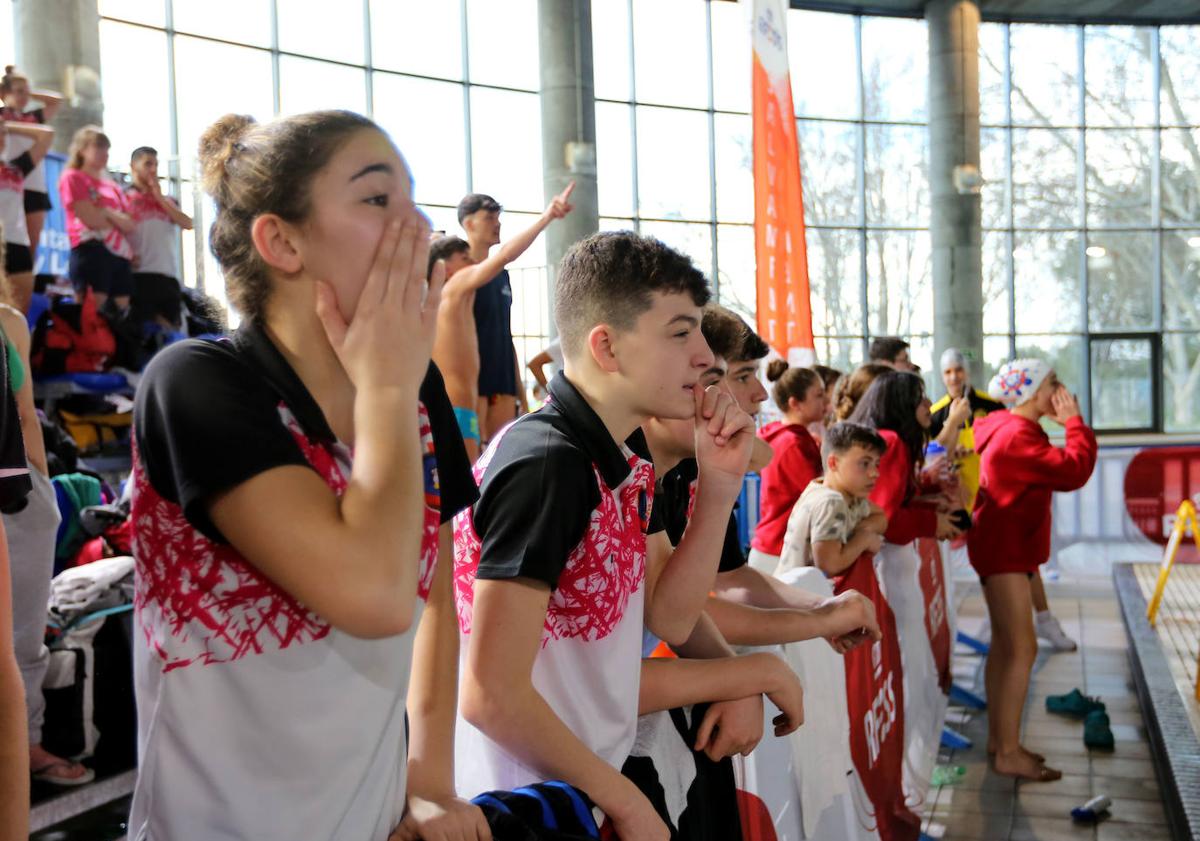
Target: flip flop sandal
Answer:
[[1097, 733], [44, 774], [1074, 704]]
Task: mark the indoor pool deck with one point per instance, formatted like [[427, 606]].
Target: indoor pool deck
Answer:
[[984, 805]]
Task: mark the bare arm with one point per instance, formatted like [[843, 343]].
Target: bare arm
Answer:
[[537, 365], [120, 220], [746, 585], [734, 725], [475, 277], [51, 102], [172, 210], [761, 455], [669, 683], [499, 698], [835, 617], [433, 689], [833, 557], [100, 218], [353, 561], [679, 581], [876, 521], [14, 738], [17, 330], [42, 137], [960, 411], [433, 806], [91, 214]]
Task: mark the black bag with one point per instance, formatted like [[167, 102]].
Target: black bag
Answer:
[[90, 707], [62, 453]]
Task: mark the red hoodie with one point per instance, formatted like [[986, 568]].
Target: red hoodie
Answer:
[[797, 462], [1019, 471], [894, 490]]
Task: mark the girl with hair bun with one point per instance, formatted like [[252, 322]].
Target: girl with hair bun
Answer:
[[800, 396], [15, 94], [293, 487], [851, 387]]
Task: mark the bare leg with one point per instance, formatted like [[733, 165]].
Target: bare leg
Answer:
[[499, 414], [1038, 591], [21, 284], [1009, 664], [35, 222]]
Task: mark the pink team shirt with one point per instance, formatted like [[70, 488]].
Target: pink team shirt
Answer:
[[76, 185]]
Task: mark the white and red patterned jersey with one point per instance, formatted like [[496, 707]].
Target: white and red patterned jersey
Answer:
[[36, 179], [256, 718], [12, 195], [589, 667], [156, 237]]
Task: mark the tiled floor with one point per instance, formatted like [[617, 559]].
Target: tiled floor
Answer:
[[986, 806]]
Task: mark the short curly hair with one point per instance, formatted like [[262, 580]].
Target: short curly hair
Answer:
[[610, 278]]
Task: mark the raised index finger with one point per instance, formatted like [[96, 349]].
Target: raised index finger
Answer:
[[566, 194]]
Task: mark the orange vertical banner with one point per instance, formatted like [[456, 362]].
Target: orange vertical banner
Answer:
[[783, 305]]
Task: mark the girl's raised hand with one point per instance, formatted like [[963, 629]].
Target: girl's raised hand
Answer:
[[1066, 405], [388, 340]]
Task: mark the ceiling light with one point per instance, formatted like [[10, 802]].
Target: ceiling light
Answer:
[[1096, 251]]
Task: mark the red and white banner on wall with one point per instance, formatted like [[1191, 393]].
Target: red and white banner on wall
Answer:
[[783, 306]]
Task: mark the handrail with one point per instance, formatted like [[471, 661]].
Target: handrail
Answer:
[[1185, 518]]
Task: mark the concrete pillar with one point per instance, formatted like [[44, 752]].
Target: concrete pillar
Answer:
[[955, 220], [568, 121], [58, 47]]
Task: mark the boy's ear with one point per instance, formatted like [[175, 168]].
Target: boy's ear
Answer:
[[273, 239], [831, 462], [599, 343]]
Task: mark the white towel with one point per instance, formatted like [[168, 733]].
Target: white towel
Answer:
[[821, 747], [74, 589]]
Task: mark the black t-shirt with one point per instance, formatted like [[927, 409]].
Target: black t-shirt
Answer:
[[24, 163], [37, 115], [15, 483], [674, 497], [539, 489], [210, 415], [980, 406]]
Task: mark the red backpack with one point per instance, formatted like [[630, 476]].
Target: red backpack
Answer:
[[72, 337]]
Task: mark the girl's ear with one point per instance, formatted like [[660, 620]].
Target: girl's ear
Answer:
[[274, 240]]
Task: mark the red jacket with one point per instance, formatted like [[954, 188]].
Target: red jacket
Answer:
[[797, 462], [1019, 471], [894, 490]]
